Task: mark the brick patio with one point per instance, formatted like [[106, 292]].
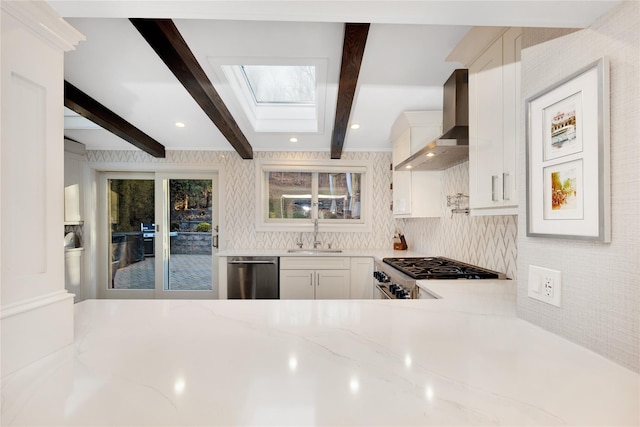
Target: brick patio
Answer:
[[186, 272]]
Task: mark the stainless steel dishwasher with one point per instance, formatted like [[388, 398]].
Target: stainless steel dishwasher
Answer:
[[251, 277]]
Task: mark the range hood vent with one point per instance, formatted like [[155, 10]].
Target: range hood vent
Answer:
[[452, 147]]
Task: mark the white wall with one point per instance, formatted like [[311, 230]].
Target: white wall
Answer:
[[486, 241], [239, 196], [600, 284], [36, 312]]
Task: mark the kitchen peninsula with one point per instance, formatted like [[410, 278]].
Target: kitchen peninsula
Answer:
[[464, 359]]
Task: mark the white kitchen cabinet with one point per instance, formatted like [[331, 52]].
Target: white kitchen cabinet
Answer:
[[494, 109], [333, 284], [361, 278], [416, 194], [315, 278], [314, 284], [73, 272], [401, 179], [74, 160], [297, 284]]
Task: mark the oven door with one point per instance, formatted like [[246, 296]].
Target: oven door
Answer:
[[378, 293]]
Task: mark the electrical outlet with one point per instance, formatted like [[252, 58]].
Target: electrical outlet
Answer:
[[544, 285], [548, 287]]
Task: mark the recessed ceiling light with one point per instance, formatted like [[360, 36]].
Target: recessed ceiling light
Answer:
[[293, 139], [180, 124], [409, 166], [355, 126], [431, 154]]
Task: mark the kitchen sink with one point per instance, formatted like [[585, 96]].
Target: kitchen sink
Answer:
[[314, 251]]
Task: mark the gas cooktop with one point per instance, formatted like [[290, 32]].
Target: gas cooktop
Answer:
[[440, 268]]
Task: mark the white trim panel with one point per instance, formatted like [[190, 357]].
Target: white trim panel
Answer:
[[35, 328]]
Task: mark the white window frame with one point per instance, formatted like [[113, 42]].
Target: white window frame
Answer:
[[264, 223], [97, 220]]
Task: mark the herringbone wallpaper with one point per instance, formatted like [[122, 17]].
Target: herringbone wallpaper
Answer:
[[239, 196], [240, 205], [485, 241]]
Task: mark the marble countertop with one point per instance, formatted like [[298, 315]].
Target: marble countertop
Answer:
[[375, 253], [464, 359]]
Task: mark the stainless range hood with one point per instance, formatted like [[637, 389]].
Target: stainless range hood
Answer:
[[452, 147]]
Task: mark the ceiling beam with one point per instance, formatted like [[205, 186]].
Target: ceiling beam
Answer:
[[355, 39], [91, 109], [165, 39]]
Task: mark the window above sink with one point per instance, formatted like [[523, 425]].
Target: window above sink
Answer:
[[291, 194]]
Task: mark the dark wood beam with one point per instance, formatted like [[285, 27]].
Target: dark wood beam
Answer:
[[355, 39], [165, 39], [91, 109]]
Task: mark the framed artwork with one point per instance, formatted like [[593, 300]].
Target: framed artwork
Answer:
[[568, 194]]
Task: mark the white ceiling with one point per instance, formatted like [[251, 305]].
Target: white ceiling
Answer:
[[403, 67]]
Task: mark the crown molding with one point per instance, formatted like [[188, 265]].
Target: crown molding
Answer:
[[43, 21]]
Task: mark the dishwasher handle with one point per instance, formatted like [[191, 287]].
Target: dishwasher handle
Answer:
[[251, 262]]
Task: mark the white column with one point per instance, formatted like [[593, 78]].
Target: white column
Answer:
[[36, 312]]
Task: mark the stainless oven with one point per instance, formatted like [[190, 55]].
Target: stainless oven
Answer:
[[395, 278], [392, 284]]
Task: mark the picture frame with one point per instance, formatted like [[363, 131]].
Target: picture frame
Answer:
[[568, 157]]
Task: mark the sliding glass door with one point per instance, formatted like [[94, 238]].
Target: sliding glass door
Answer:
[[131, 207], [192, 234], [162, 235]]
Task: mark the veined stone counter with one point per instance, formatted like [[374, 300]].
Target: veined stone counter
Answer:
[[374, 253], [459, 360]]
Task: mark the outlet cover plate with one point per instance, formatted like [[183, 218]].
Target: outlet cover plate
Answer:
[[545, 285]]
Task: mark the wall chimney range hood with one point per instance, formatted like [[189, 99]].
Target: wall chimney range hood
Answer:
[[452, 147]]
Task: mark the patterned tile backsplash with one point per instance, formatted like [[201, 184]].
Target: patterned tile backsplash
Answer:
[[489, 242], [239, 228], [240, 205]]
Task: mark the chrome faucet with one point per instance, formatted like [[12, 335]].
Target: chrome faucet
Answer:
[[315, 234]]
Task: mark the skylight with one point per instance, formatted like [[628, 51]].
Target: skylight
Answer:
[[279, 95], [281, 84]]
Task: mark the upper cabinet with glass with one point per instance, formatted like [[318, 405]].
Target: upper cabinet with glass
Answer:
[[291, 196]]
